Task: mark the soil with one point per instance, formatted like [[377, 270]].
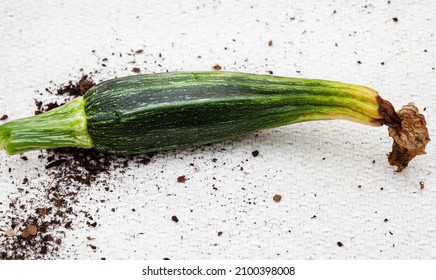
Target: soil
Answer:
[[77, 89], [29, 231], [182, 179], [71, 90], [421, 185], [36, 230]]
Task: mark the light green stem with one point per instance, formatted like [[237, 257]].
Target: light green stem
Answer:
[[64, 126]]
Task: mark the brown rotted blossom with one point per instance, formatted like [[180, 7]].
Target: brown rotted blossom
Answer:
[[410, 138]]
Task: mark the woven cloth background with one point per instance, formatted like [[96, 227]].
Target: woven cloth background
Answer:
[[334, 179]]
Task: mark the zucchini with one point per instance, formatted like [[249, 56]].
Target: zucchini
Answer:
[[155, 112]]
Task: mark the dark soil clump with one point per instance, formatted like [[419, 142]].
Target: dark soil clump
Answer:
[[37, 228]]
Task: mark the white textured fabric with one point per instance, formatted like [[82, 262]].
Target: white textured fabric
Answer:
[[316, 167]]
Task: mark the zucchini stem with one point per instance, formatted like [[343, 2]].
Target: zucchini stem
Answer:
[[64, 126]]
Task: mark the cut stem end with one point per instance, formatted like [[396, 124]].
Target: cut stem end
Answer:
[[64, 126]]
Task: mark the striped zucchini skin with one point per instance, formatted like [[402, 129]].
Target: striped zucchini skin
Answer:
[[145, 113]]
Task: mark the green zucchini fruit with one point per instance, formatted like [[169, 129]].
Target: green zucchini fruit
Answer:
[[145, 113]]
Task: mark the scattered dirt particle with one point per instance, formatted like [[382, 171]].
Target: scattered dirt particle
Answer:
[[395, 19], [94, 224], [277, 198], [136, 70], [220, 233], [182, 179], [139, 51], [43, 250], [255, 153], [421, 185], [43, 211], [52, 105], [145, 161], [10, 232], [216, 67], [270, 43], [175, 219], [4, 117], [385, 220], [68, 224], [24, 158], [39, 108], [339, 243], [31, 230], [48, 238], [55, 163], [359, 62], [76, 89]]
